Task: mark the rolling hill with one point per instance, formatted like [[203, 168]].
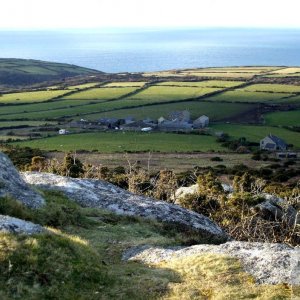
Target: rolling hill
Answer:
[[15, 72]]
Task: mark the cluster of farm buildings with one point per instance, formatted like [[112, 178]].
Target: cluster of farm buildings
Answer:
[[176, 121]]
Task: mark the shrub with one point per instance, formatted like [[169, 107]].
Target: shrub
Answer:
[[216, 158]]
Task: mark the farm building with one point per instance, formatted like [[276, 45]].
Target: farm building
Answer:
[[137, 126], [174, 126], [182, 116], [161, 119], [201, 122], [273, 143]]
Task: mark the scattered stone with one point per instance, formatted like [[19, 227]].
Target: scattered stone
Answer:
[[14, 225], [101, 194], [183, 191], [267, 263], [12, 185]]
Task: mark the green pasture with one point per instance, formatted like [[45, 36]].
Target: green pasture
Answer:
[[27, 123], [101, 93], [166, 93], [275, 88], [73, 110], [284, 118], [204, 83], [256, 133], [251, 97], [126, 84], [28, 97], [40, 107], [220, 74], [215, 111], [83, 86], [127, 141]]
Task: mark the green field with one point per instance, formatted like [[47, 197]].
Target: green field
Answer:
[[83, 86], [256, 133], [6, 111], [101, 93], [165, 93], [28, 97], [285, 118], [273, 88], [230, 72], [251, 97], [205, 83], [126, 84], [127, 141], [25, 123], [216, 111]]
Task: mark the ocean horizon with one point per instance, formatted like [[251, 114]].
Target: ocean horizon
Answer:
[[154, 49]]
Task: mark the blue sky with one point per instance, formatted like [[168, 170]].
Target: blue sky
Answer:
[[54, 14]]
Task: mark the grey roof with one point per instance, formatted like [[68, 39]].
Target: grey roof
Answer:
[[278, 141]]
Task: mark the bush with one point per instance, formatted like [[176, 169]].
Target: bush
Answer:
[[216, 158]]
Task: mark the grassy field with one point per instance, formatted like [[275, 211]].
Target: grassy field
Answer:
[[251, 97], [220, 74], [230, 72], [128, 141], [27, 123], [83, 86], [165, 93], [285, 118], [205, 83], [256, 133], [126, 84], [273, 88], [29, 97], [101, 93], [40, 107], [216, 111]]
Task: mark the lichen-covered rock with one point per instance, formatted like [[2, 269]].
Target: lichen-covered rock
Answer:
[[100, 194], [11, 184], [14, 225], [267, 263]]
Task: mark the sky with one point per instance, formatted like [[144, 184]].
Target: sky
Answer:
[[68, 14]]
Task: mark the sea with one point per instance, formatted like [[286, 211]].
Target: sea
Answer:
[[149, 49]]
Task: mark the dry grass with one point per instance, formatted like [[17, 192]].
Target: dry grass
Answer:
[[211, 276]]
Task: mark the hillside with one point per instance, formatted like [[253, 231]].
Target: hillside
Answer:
[[86, 239], [15, 72]]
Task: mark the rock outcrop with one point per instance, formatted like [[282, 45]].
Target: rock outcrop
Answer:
[[267, 263], [275, 208], [14, 225], [11, 184], [100, 194]]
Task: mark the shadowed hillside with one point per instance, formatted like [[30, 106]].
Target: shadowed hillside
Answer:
[[16, 72]]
